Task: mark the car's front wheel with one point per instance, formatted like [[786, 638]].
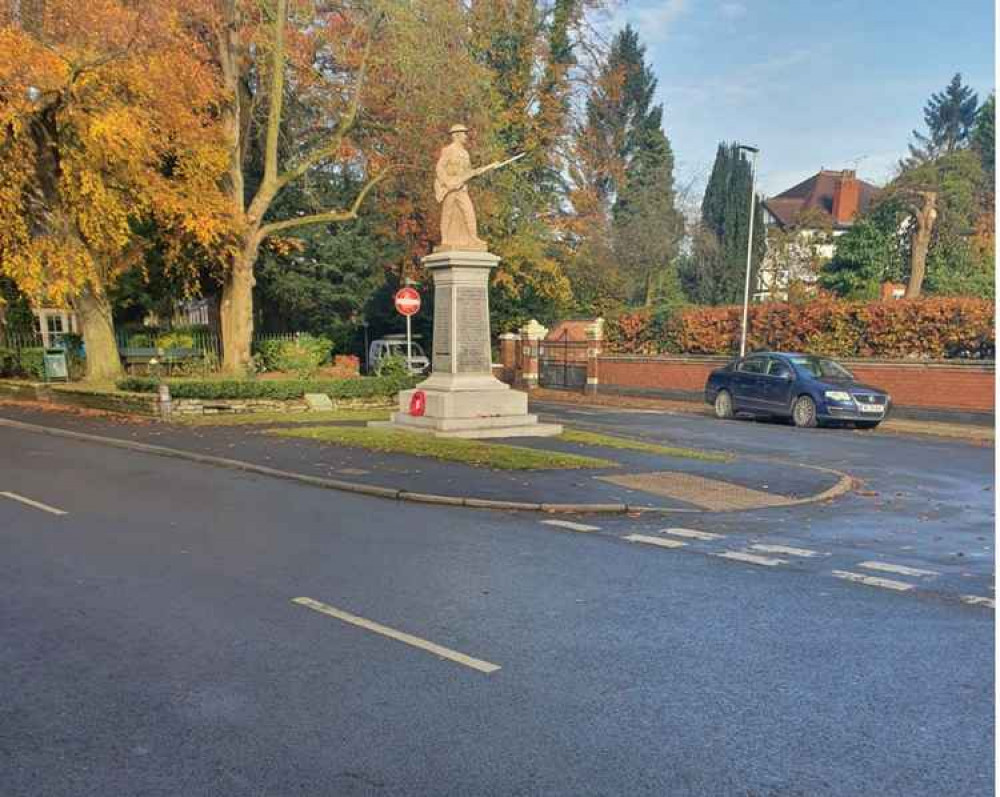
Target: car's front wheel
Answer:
[[804, 412], [723, 405]]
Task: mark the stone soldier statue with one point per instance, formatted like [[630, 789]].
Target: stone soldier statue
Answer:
[[451, 177]]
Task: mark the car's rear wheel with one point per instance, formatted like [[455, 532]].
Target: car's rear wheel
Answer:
[[866, 424], [804, 412], [723, 405]]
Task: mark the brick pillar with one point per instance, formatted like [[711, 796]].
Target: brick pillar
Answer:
[[532, 334], [508, 356], [595, 337]]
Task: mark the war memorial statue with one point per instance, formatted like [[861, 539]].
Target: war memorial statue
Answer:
[[462, 398]]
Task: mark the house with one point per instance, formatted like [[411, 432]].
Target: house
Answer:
[[802, 224]]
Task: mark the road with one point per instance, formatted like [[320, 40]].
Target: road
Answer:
[[152, 644]]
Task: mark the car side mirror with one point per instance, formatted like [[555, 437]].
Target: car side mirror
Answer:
[[787, 376]]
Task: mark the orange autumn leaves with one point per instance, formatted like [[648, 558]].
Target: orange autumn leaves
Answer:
[[106, 120]]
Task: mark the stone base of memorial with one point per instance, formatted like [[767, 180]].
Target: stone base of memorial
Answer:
[[462, 398]]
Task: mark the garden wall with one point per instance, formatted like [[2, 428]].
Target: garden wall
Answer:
[[944, 386]]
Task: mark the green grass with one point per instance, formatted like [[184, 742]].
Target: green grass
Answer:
[[269, 418], [609, 441], [469, 452]]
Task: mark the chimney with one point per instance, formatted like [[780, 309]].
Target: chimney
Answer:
[[846, 196]]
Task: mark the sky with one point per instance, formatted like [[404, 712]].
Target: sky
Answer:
[[838, 84]]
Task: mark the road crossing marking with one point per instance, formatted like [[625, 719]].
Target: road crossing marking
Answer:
[[750, 558], [873, 581], [660, 541], [976, 600], [400, 636], [36, 504], [899, 569], [568, 524], [786, 549], [693, 534]]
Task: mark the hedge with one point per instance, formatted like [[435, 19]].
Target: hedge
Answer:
[[368, 387], [932, 328]]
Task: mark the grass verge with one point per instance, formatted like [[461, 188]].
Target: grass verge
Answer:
[[469, 452], [269, 418], [610, 441]]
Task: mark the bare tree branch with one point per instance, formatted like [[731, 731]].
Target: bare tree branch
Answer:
[[328, 215]]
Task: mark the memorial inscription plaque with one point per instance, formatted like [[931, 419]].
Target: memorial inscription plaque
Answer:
[[474, 334], [442, 330]]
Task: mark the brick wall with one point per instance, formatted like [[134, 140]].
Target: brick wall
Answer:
[[964, 387]]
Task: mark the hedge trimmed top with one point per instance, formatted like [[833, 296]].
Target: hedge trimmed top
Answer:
[[932, 328], [279, 390]]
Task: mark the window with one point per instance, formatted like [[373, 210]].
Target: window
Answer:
[[755, 365], [820, 366], [54, 324], [776, 367]]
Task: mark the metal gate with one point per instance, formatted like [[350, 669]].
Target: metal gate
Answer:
[[562, 363]]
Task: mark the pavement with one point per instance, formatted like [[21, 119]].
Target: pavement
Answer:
[[680, 484], [156, 641]]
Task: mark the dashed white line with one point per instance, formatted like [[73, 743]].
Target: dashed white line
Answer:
[[902, 570], [750, 559], [785, 549], [977, 600], [872, 581], [568, 524], [36, 504], [660, 541], [693, 534], [399, 636]]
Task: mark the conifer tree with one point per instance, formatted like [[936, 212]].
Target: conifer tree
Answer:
[[949, 116], [717, 272]]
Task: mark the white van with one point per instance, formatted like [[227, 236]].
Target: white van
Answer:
[[395, 346]]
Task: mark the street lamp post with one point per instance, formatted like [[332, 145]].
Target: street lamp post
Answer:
[[746, 287]]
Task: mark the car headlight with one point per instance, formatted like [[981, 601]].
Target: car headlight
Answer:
[[837, 395]]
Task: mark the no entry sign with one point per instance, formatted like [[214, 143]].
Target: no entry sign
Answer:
[[407, 301]]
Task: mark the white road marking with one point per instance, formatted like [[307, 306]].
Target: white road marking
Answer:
[[786, 549], [900, 569], [976, 600], [568, 524], [751, 559], [36, 504], [693, 534], [873, 581], [400, 636], [662, 543]]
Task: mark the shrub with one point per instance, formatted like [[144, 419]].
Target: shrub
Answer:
[[141, 340], [303, 354], [369, 387], [175, 340], [393, 366], [31, 363], [931, 328], [8, 362]]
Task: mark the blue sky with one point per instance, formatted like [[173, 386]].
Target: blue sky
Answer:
[[835, 84]]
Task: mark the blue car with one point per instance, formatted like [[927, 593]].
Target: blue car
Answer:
[[808, 389]]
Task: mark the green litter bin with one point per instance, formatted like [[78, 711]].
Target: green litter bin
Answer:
[[55, 364]]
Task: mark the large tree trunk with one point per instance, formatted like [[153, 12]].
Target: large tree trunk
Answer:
[[236, 314], [94, 310], [924, 218]]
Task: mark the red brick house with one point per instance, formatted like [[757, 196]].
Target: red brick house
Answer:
[[802, 223]]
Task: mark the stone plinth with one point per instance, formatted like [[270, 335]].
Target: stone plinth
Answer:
[[462, 397]]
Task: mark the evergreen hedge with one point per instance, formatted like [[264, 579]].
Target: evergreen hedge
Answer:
[[930, 328], [282, 390]]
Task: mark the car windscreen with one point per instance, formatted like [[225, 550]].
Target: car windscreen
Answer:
[[822, 367], [400, 349]]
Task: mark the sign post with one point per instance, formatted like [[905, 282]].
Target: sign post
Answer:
[[407, 302]]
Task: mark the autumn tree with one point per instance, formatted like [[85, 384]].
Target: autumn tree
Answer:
[[106, 120]]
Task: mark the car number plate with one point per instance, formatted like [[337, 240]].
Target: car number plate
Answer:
[[872, 407]]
